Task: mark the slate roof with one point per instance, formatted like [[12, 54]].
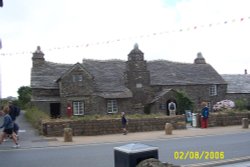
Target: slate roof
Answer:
[[109, 75], [237, 83], [164, 72], [46, 75]]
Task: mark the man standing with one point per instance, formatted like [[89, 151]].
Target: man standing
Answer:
[[204, 115]]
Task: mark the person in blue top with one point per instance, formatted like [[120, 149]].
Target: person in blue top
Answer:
[[204, 115], [8, 126], [124, 123]]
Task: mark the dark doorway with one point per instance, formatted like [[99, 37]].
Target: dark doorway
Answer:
[[55, 110]]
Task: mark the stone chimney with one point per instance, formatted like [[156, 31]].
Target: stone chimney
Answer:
[[38, 57], [200, 59], [245, 71]]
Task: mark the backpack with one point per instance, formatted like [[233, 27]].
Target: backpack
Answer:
[[14, 112], [205, 113], [171, 106], [17, 111]]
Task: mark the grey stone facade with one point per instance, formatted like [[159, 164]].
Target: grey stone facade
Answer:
[[101, 87]]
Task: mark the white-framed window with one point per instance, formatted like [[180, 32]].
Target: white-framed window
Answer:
[[213, 90], [78, 108], [77, 78], [112, 106]]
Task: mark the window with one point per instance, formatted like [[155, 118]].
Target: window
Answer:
[[138, 85], [78, 108], [77, 78], [213, 90], [209, 105], [112, 106]]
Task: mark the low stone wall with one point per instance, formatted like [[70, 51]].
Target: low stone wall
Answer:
[[227, 119], [111, 126]]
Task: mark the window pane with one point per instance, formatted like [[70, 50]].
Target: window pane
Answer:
[[77, 78], [213, 90], [78, 108], [112, 106]]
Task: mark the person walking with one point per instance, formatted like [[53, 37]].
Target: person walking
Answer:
[[124, 123], [204, 115], [14, 113], [8, 126]]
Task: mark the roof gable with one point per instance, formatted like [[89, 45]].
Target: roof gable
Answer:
[[75, 67]]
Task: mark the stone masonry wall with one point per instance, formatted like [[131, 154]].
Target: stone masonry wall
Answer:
[[112, 126], [227, 119]]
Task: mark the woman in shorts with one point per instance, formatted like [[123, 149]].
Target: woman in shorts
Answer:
[[8, 126]]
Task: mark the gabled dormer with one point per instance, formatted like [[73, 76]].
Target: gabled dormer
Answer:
[[76, 81]]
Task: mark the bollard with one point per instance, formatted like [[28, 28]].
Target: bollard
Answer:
[[245, 123], [168, 128], [68, 135]]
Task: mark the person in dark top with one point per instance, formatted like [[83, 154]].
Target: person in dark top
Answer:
[[8, 126], [124, 123], [14, 113]]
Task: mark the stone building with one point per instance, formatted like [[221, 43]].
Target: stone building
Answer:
[[101, 87], [238, 87]]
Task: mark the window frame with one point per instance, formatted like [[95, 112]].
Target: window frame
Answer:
[[77, 107], [213, 90], [77, 78], [112, 106]]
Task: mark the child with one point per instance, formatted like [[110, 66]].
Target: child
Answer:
[[124, 123], [8, 126]]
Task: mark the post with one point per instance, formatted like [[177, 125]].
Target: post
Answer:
[[244, 123], [168, 128], [68, 135]]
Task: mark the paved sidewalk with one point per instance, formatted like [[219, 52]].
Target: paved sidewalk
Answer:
[[153, 135], [29, 137]]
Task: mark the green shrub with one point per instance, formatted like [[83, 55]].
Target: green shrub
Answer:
[[35, 117], [241, 104], [183, 103]]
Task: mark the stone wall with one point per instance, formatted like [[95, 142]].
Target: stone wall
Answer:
[[112, 126], [227, 119]]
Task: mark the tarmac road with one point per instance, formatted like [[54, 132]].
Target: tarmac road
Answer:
[[33, 144]]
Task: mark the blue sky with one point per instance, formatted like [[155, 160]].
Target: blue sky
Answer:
[[69, 31]]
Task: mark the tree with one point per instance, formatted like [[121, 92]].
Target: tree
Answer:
[[183, 102], [24, 96]]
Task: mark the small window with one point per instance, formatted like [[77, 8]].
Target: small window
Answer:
[[209, 105], [77, 78], [78, 108], [138, 85], [112, 106], [213, 90]]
